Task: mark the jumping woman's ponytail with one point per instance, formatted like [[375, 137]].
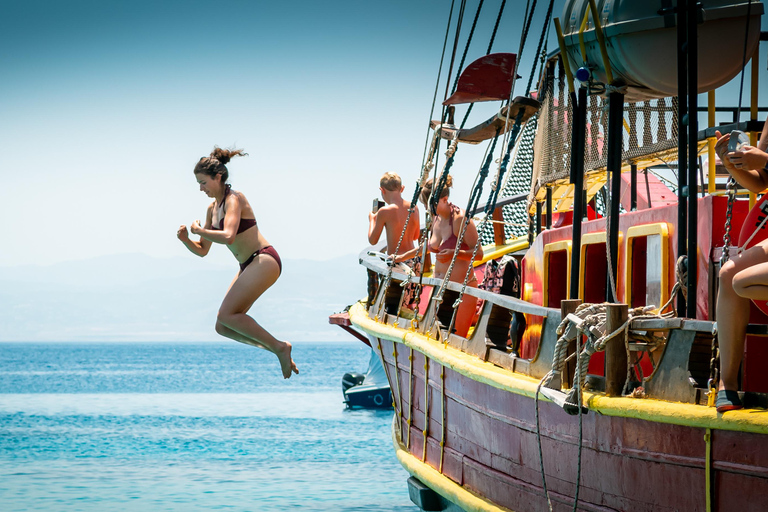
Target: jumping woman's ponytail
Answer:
[[217, 162]]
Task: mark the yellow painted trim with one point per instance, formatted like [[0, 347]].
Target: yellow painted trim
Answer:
[[581, 35], [708, 470], [593, 238], [493, 252], [648, 409], [565, 61], [563, 245], [443, 485], [597, 237], [662, 229], [711, 167], [601, 42], [596, 177], [562, 192]]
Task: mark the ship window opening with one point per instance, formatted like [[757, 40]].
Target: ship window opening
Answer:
[[595, 276], [639, 271], [557, 285], [557, 271], [647, 273]]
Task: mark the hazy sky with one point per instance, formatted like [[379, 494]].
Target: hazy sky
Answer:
[[105, 107]]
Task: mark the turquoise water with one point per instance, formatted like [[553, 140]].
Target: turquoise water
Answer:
[[183, 426]]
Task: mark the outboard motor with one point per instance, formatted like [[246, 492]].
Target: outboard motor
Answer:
[[351, 379]]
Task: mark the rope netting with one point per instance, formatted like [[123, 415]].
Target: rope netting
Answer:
[[518, 181], [649, 127]]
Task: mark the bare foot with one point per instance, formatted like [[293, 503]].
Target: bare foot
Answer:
[[287, 365]]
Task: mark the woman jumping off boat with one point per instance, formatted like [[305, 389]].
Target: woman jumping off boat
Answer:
[[447, 221], [744, 276], [230, 221]]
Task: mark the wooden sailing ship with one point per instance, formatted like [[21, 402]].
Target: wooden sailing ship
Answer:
[[504, 419]]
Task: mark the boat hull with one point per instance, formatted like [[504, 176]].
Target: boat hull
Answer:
[[369, 397], [476, 443]]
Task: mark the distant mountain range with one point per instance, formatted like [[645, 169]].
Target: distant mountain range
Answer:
[[135, 297]]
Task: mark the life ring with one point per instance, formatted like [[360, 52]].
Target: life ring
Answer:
[[378, 399], [753, 231]]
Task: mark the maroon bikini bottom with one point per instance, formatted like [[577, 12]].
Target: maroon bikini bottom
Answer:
[[269, 250]]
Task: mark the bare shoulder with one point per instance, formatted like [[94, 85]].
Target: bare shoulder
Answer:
[[240, 199], [387, 211]]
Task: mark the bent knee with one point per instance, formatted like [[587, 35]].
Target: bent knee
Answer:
[[226, 318], [728, 271], [739, 285], [221, 329]]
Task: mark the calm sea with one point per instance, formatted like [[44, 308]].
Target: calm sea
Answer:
[[189, 426]]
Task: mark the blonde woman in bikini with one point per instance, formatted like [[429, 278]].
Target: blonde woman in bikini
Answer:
[[447, 219], [230, 221]]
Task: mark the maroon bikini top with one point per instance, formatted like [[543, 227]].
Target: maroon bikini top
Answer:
[[450, 242], [244, 223]]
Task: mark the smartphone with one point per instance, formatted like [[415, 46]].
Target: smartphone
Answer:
[[377, 203], [738, 140]]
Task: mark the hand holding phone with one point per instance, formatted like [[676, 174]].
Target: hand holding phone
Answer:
[[377, 203], [737, 141]]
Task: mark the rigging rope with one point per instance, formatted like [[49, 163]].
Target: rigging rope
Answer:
[[466, 47], [544, 32], [437, 82], [472, 204], [488, 51]]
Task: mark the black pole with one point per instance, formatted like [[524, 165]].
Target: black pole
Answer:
[[549, 207], [693, 127], [682, 144], [578, 140], [538, 217], [615, 140], [633, 188]]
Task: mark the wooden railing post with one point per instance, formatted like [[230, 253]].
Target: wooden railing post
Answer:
[[569, 306], [498, 226], [615, 350]]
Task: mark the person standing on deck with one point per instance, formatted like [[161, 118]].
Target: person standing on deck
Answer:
[[391, 218], [745, 276], [447, 219], [230, 221]]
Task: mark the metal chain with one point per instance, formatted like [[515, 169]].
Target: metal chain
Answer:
[[731, 186], [714, 361], [714, 369]]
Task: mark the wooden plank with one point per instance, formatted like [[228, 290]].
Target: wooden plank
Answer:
[[508, 302], [666, 324], [615, 353], [487, 129]]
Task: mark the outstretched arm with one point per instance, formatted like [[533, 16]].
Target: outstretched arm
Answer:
[[202, 246], [403, 256]]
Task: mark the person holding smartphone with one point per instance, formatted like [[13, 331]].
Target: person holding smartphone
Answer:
[[743, 277], [230, 221], [391, 217]]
